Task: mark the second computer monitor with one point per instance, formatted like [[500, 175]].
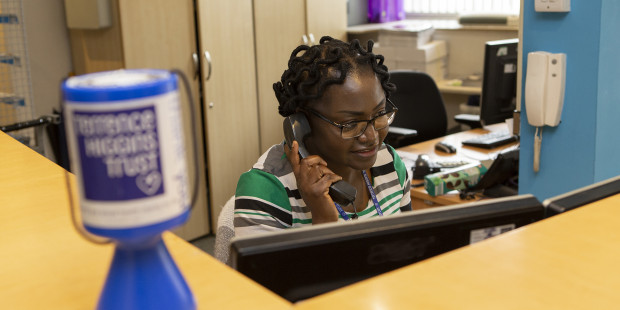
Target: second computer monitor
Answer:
[[581, 196], [499, 81]]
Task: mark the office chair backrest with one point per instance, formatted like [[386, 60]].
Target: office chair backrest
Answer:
[[225, 231], [420, 105]]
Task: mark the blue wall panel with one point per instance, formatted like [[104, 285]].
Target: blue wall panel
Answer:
[[569, 150], [608, 124]]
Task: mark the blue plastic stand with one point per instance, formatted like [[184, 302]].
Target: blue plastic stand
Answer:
[[132, 105], [144, 276]]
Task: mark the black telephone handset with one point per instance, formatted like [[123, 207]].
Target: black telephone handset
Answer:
[[296, 128]]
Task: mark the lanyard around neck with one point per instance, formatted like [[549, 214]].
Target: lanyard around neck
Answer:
[[345, 216]]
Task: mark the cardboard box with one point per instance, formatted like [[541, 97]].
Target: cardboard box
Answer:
[[406, 35], [425, 53], [437, 69], [430, 58]]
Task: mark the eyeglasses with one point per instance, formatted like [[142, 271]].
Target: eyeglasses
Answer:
[[355, 129]]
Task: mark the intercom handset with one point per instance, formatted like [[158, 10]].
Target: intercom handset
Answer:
[[544, 94], [296, 128], [544, 88]]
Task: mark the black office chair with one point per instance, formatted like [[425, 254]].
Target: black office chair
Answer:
[[420, 107]]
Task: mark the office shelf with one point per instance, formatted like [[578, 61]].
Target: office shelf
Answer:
[[10, 59], [8, 19], [12, 99], [16, 104]]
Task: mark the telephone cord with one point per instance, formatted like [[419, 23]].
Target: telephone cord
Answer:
[[537, 145]]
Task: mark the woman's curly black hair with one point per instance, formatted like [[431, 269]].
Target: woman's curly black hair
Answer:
[[321, 65]]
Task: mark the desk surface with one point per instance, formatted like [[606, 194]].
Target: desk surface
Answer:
[[569, 261], [445, 87], [466, 152], [45, 264]]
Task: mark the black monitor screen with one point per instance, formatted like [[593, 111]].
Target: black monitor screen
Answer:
[[301, 263], [581, 196], [499, 81]]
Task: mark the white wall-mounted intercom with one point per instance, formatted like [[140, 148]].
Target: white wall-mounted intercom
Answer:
[[544, 93], [544, 88], [552, 5]]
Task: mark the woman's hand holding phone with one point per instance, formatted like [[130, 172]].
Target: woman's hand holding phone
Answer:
[[313, 182]]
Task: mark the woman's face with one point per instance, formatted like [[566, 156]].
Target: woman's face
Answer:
[[361, 97]]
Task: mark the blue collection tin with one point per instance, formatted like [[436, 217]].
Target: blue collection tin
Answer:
[[126, 148]]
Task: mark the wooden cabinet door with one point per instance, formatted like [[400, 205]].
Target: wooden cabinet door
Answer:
[[161, 34], [279, 27], [226, 33], [326, 17], [157, 34]]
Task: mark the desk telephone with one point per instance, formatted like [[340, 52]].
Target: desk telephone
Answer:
[[423, 166], [296, 128]]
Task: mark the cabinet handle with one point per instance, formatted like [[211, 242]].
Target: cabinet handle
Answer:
[[208, 58], [196, 65], [311, 36], [304, 38]]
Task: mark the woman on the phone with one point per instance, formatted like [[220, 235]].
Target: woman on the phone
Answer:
[[343, 90]]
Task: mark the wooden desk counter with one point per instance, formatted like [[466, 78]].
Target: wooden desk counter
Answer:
[[45, 264], [420, 198], [569, 261]]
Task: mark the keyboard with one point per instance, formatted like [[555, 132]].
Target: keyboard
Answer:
[[491, 140]]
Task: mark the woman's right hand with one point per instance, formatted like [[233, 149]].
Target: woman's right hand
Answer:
[[313, 182]]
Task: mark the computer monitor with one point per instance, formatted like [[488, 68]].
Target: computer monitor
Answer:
[[499, 81], [581, 196], [304, 262]]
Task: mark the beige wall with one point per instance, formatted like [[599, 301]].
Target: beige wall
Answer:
[[48, 54], [466, 48], [48, 51]]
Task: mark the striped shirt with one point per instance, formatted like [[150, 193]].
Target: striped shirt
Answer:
[[267, 198]]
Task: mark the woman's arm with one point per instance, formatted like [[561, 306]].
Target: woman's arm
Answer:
[[313, 182], [261, 204]]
